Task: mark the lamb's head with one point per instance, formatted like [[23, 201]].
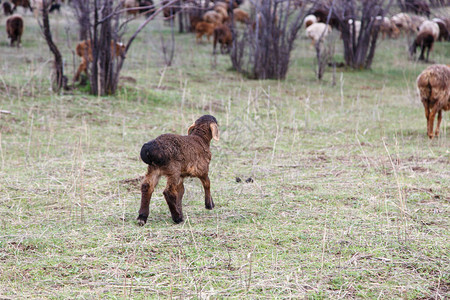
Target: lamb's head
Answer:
[[206, 126]]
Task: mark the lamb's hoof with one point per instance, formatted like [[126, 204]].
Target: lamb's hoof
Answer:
[[177, 220], [142, 220]]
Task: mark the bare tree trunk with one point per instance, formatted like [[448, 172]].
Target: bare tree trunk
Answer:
[[108, 55], [168, 48], [360, 45], [263, 50], [60, 79], [82, 12]]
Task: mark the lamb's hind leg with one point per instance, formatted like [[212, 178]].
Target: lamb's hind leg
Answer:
[[174, 194], [209, 204], [439, 119], [431, 121], [147, 187]]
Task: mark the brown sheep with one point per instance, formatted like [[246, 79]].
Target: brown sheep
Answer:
[[7, 8], [404, 23], [241, 16], [131, 5], [443, 31], [204, 28], [387, 28], [222, 11], [194, 20], [434, 89], [14, 29], [23, 3], [178, 157], [213, 17], [84, 50], [223, 35], [424, 40]]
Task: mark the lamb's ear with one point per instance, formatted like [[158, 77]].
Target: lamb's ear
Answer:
[[214, 131], [190, 128]]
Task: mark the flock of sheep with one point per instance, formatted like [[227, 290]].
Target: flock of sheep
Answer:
[[426, 32]]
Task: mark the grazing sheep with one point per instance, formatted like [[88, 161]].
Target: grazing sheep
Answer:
[[222, 5], [356, 25], [416, 21], [194, 20], [14, 29], [147, 7], [430, 26], [321, 11], [84, 50], [131, 5], [204, 28], [171, 10], [387, 28], [418, 7], [444, 34], [222, 34], [222, 10], [424, 40], [434, 89], [309, 20], [213, 17], [177, 157], [55, 6], [7, 9], [403, 22], [23, 3], [314, 31], [241, 16]]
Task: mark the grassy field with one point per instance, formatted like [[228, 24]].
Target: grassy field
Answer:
[[349, 199]]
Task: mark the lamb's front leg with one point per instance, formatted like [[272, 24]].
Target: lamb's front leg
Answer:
[[209, 204]]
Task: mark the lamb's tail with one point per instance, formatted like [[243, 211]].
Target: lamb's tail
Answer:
[[153, 154], [424, 85]]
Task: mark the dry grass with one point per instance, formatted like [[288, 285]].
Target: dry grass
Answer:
[[349, 198]]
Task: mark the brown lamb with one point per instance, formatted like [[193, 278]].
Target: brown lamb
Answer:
[[424, 40], [84, 50], [177, 157], [434, 89], [241, 16], [204, 28], [222, 34], [14, 29], [7, 8], [23, 3]]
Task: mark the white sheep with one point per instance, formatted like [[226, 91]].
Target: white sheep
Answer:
[[315, 31], [309, 20], [431, 26], [403, 22], [357, 25]]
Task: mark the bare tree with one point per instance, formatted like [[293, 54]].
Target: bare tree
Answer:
[[263, 50], [82, 11], [168, 47], [104, 30], [359, 29], [60, 80]]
